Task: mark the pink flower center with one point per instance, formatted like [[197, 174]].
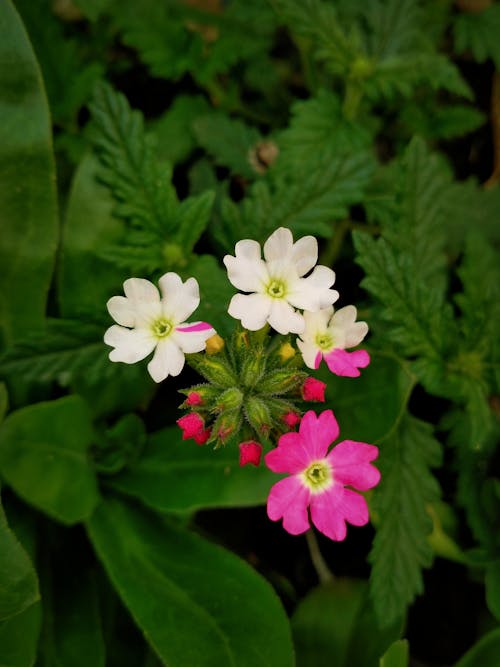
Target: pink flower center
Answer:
[[318, 476]]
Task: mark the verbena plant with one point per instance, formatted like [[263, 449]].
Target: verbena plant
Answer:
[[169, 143]]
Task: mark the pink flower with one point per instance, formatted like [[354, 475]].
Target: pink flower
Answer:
[[319, 480], [250, 452], [313, 390], [202, 436], [191, 425], [194, 398], [291, 419]]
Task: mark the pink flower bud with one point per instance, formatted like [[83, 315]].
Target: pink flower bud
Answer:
[[291, 419], [202, 436], [313, 390], [191, 425], [250, 452], [194, 398]]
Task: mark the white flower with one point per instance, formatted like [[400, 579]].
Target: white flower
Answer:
[[277, 285], [327, 335], [156, 324]]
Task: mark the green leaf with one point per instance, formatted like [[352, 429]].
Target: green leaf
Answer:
[[27, 189], [484, 654], [435, 122], [193, 216], [478, 32], [43, 457], [400, 549], [18, 580], [175, 475], [228, 141], [492, 583], [92, 9], [397, 655], [329, 621], [85, 280], [195, 602], [4, 401], [19, 638], [370, 407]]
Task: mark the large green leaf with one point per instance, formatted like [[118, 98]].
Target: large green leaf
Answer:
[[43, 457], [19, 638], [86, 281], [196, 603], [18, 580], [27, 188], [329, 621], [397, 655], [177, 475], [483, 654]]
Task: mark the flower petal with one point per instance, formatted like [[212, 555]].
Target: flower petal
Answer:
[[131, 345], [353, 332], [332, 508], [141, 290], [313, 293], [122, 310], [246, 271], [251, 309], [168, 359], [309, 353], [279, 245], [316, 323], [289, 498], [346, 364], [284, 319], [318, 432], [192, 341], [179, 300], [305, 254], [350, 461], [291, 455]]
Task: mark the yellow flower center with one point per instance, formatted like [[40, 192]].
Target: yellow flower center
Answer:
[[324, 341], [276, 289], [317, 476], [161, 328]]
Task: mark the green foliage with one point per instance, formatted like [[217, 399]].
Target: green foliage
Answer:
[[175, 475], [157, 566], [485, 652], [19, 588], [400, 549], [397, 655], [492, 582], [43, 457], [161, 230], [29, 205], [478, 32]]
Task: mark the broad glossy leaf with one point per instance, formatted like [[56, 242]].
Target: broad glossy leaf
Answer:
[[18, 580], [177, 475], [396, 655], [19, 638], [196, 603], [492, 582], [369, 407], [27, 188], [43, 457], [484, 653], [86, 281], [329, 621]]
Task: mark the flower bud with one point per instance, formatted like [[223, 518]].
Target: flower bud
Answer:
[[281, 381], [291, 419], [253, 367], [214, 369], [250, 452], [313, 390], [225, 426], [214, 344], [193, 398], [230, 399], [202, 436], [191, 425], [258, 414], [286, 352]]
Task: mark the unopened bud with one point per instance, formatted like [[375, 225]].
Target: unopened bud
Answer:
[[281, 381], [193, 398], [253, 367], [215, 370], [214, 344], [291, 419], [250, 452], [225, 426], [258, 414], [286, 352], [313, 390], [191, 425], [202, 436], [230, 399]]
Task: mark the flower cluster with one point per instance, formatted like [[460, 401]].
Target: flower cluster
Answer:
[[254, 386]]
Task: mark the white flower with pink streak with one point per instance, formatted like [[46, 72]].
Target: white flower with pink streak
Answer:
[[326, 336], [148, 320], [319, 480]]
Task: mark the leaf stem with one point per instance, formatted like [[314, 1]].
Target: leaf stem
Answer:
[[322, 570]]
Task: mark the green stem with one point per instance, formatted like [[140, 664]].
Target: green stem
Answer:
[[322, 569]]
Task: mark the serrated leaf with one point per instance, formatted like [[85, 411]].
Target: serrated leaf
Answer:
[[18, 580], [442, 122], [400, 549], [478, 32], [193, 215], [174, 475], [28, 204], [228, 141], [157, 568], [43, 457]]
